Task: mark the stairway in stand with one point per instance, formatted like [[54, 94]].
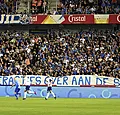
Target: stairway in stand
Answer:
[[52, 4], [23, 6]]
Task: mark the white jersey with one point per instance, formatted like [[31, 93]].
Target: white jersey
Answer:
[[49, 82], [27, 81]]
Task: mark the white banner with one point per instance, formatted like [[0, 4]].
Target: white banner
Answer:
[[74, 80]]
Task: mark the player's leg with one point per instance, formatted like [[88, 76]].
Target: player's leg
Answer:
[[48, 93], [25, 93], [53, 94], [32, 92], [29, 91], [15, 95], [16, 92]]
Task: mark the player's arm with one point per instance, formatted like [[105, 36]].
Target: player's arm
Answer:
[[12, 85], [46, 80], [47, 77], [24, 77]]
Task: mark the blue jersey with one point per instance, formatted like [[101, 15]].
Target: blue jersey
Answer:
[[17, 84]]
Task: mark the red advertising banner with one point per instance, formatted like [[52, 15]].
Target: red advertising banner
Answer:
[[114, 19], [59, 19], [78, 19], [37, 19]]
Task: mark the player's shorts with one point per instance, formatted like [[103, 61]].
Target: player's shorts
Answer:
[[27, 88], [17, 90], [49, 88]]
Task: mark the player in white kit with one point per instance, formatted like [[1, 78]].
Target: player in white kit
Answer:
[[49, 88], [27, 88]]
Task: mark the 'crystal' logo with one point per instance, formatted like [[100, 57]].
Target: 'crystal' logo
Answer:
[[118, 18], [76, 18]]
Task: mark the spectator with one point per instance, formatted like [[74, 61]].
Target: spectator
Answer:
[[7, 7], [39, 6], [34, 7]]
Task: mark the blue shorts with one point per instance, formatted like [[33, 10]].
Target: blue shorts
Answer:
[[49, 88], [17, 90], [27, 88]]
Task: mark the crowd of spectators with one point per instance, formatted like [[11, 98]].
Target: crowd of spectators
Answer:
[[88, 7], [39, 6], [60, 53], [11, 6], [8, 6], [65, 7]]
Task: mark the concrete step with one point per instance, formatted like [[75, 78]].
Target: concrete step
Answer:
[[53, 4], [22, 6]]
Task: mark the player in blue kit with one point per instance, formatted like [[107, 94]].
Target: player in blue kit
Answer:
[[17, 88], [49, 88]]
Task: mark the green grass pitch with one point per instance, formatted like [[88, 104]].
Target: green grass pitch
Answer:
[[60, 106]]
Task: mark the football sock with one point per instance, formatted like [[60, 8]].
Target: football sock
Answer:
[[16, 96], [48, 95], [25, 93], [31, 92], [53, 94]]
